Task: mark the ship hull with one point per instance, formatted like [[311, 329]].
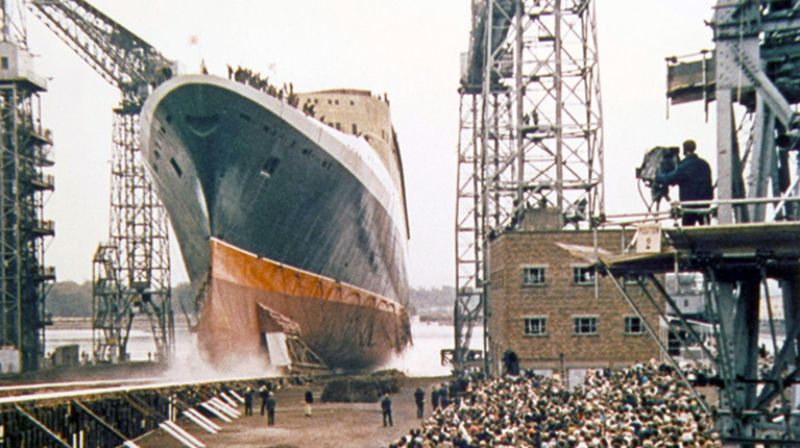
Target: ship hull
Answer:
[[352, 326], [272, 209]]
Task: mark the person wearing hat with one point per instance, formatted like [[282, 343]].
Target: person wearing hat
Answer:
[[693, 178]]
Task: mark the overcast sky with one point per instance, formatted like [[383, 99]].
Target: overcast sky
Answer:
[[406, 48]]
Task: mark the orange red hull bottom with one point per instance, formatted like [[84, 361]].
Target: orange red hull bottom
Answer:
[[346, 326]]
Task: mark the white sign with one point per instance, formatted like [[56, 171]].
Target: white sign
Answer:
[[648, 238]]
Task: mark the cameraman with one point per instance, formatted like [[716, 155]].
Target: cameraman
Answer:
[[693, 178]]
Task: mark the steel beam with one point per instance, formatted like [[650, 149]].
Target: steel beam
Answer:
[[42, 426]]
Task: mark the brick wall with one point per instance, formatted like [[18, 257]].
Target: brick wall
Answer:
[[559, 300]]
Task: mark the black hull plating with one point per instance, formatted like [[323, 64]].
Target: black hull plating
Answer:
[[236, 164]]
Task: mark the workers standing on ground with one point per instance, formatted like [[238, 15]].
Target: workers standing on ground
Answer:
[[309, 401], [386, 408], [434, 397], [693, 178], [270, 409], [263, 392], [248, 401], [419, 398], [443, 399]]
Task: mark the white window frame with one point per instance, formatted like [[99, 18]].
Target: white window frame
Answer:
[[626, 327], [543, 275], [593, 271], [542, 325], [575, 325]]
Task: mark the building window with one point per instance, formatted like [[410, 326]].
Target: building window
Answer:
[[338, 126], [352, 103], [533, 275], [355, 129], [585, 325], [329, 101], [535, 326], [4, 62], [583, 275], [336, 102], [633, 325]]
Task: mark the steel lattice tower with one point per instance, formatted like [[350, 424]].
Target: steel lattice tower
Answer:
[[131, 274], [530, 134], [25, 151]]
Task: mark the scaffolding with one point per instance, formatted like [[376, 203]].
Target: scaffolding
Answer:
[[24, 189], [530, 136], [131, 273]]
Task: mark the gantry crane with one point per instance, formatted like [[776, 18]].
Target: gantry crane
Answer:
[[530, 135], [131, 273]]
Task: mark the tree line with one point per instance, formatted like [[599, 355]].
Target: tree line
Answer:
[[71, 299]]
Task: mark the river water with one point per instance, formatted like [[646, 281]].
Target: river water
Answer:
[[422, 358]]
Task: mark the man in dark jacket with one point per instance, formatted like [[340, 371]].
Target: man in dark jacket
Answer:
[[386, 409], [271, 410], [693, 178], [248, 401], [419, 399], [263, 392]]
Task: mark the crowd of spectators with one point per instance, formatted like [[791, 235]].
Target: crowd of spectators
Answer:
[[642, 406], [260, 82]]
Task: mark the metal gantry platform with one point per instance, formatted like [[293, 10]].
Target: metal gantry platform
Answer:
[[752, 76], [756, 395]]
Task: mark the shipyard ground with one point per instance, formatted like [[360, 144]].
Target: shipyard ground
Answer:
[[332, 425]]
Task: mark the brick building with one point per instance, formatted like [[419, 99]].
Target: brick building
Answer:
[[554, 313]]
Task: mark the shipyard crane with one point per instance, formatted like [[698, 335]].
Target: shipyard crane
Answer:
[[25, 185], [530, 137], [131, 273]]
